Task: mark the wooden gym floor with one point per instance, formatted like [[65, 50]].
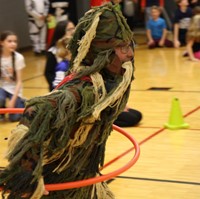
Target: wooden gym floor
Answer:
[[169, 164]]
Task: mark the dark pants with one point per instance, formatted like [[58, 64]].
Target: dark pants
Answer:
[[20, 103], [167, 43], [128, 118]]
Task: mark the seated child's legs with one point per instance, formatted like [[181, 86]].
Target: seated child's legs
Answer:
[[168, 43], [2, 101], [20, 103], [155, 44], [2, 98]]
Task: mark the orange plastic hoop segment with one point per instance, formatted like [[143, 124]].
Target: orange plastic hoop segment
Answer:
[[90, 181], [11, 110]]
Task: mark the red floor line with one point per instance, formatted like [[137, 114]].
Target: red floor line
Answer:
[[151, 136], [145, 140], [118, 157], [192, 111]]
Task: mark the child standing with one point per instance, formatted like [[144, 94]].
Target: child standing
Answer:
[[181, 22], [11, 65], [193, 39], [37, 13], [156, 30]]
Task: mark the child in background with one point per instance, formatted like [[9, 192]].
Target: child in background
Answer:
[[63, 28], [181, 22], [193, 39], [11, 65], [156, 30], [63, 56], [37, 11], [147, 4]]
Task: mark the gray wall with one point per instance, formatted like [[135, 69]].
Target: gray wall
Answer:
[[82, 7], [170, 7], [13, 17]]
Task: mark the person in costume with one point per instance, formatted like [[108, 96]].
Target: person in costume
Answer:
[[62, 135], [37, 11]]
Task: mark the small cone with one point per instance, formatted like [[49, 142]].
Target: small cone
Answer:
[[176, 119]]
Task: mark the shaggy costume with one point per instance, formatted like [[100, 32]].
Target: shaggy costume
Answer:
[[62, 135]]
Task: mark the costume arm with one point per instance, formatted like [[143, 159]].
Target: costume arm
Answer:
[[41, 135], [30, 10], [46, 10]]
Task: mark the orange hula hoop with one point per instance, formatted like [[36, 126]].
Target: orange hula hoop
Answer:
[[90, 181]]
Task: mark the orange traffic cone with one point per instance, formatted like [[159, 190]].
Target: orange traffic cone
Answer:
[[176, 119]]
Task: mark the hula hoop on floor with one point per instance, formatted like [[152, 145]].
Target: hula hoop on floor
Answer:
[[90, 181]]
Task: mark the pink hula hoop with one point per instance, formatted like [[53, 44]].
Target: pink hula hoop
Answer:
[[90, 181]]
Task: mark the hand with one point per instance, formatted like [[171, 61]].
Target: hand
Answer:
[[11, 103], [194, 59], [126, 109], [161, 43], [45, 192], [150, 42], [177, 43], [42, 17]]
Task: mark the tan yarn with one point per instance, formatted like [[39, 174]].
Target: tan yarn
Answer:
[[98, 84], [102, 191], [16, 135], [116, 96], [39, 192], [85, 43], [103, 102]]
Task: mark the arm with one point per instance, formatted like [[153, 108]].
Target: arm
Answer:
[[19, 65], [176, 33], [163, 38], [190, 51], [12, 101], [149, 37], [50, 66]]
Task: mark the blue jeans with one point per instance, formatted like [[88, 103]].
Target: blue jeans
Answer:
[[20, 103]]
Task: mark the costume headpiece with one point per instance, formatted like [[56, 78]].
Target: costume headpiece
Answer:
[[97, 33]]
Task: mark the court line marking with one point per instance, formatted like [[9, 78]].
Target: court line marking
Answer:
[[160, 180], [154, 91]]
